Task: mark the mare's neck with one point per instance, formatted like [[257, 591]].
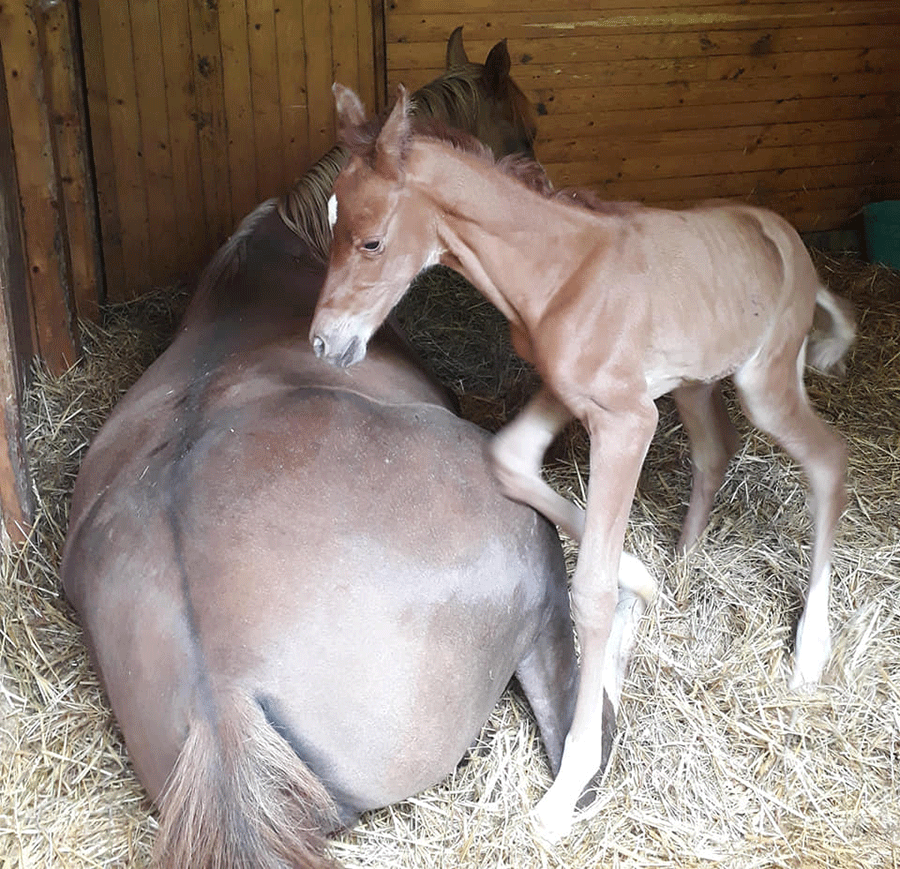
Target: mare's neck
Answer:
[[496, 230]]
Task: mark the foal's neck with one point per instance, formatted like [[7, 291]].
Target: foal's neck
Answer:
[[492, 224]]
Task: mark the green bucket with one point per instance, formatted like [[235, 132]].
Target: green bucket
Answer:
[[882, 225]]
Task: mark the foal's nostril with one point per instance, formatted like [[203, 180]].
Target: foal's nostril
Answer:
[[351, 355], [318, 344]]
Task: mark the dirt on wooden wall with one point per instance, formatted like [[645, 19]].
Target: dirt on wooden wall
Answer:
[[792, 105]]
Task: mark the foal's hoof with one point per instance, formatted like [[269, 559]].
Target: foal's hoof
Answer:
[[807, 676], [813, 651], [551, 822]]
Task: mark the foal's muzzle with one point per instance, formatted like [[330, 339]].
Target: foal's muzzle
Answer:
[[342, 356]]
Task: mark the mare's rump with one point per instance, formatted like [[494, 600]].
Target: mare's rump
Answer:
[[402, 609]]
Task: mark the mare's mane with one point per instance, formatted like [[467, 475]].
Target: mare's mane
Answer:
[[361, 140], [439, 109]]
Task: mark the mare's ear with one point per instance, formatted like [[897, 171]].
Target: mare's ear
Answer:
[[350, 110], [390, 146], [456, 54], [496, 68]]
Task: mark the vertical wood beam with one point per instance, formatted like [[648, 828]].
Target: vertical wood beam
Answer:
[[16, 348], [64, 78], [42, 220]]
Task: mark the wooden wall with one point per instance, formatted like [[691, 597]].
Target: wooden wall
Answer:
[[49, 260], [202, 109], [793, 105]]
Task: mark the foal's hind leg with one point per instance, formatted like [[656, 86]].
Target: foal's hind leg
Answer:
[[714, 440], [517, 451], [775, 400]]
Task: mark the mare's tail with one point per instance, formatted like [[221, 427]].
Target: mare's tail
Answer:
[[240, 798], [834, 330]]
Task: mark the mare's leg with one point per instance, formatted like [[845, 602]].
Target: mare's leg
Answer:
[[619, 442], [714, 440], [548, 674], [517, 451], [774, 398]]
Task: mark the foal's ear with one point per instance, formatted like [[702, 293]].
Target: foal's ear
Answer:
[[350, 110], [496, 68], [456, 54], [390, 147]]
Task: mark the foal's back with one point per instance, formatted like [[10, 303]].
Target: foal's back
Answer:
[[700, 289]]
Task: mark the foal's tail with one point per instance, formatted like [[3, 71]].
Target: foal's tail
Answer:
[[240, 798], [834, 329]]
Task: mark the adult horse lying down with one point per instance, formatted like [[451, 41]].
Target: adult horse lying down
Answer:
[[302, 589], [615, 305]]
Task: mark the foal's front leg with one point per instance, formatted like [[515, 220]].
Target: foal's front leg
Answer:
[[620, 437], [517, 452]]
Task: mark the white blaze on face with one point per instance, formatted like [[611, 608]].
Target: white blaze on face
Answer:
[[332, 211]]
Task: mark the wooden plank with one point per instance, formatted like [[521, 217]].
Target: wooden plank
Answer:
[[68, 124], [438, 7], [125, 143], [16, 501], [194, 240], [344, 45], [585, 108], [13, 270], [877, 61], [745, 139], [212, 124], [128, 164], [239, 106], [291, 37], [616, 47], [319, 78], [664, 165], [674, 18], [102, 151], [271, 176], [53, 325], [587, 101], [559, 78], [629, 122], [369, 62], [379, 39], [155, 147]]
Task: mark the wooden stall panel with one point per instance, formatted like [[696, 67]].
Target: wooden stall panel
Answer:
[[43, 233], [201, 110], [792, 105], [16, 501], [48, 252]]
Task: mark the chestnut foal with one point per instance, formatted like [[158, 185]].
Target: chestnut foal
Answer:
[[616, 305]]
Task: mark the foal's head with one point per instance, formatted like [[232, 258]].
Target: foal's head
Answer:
[[381, 236]]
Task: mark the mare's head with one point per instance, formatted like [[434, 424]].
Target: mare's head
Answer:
[[481, 99]]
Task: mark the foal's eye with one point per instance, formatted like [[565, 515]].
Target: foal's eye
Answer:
[[373, 245]]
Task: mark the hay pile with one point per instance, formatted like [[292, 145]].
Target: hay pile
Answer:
[[718, 763]]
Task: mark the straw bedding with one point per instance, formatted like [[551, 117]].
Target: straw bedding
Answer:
[[717, 762]]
